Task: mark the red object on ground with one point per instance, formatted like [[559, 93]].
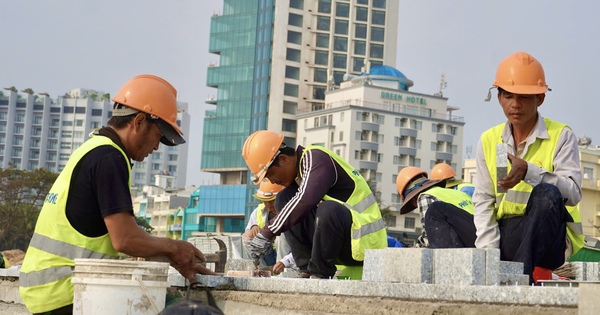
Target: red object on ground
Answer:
[[540, 273]]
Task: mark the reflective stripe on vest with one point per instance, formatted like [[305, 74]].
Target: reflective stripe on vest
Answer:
[[44, 276], [368, 227], [514, 201], [452, 196]]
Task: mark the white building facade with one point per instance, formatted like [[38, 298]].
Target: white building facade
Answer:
[[37, 131], [380, 127]]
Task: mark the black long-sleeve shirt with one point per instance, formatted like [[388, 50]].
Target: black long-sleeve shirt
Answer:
[[320, 175]]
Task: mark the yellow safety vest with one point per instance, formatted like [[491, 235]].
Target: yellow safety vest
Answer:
[[368, 228], [260, 217], [45, 276], [452, 196], [541, 152]]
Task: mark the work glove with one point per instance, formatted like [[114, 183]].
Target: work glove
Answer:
[[260, 247]]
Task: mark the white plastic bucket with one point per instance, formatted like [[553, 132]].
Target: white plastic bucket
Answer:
[[106, 286]]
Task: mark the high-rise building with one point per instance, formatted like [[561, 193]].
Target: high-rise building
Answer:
[[376, 124], [277, 58], [37, 131]]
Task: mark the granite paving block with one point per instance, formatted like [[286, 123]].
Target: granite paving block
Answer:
[[588, 298], [492, 263], [406, 265], [459, 266], [239, 264], [511, 267]]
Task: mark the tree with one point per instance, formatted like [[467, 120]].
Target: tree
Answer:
[[21, 196]]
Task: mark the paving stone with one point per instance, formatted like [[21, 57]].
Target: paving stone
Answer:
[[492, 266], [459, 266], [239, 264], [406, 265], [511, 267], [588, 298]]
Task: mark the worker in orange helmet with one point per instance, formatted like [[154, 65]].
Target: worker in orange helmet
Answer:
[[262, 214], [446, 214], [447, 173], [528, 175], [327, 210], [88, 212]]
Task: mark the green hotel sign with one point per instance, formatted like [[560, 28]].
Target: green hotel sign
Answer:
[[405, 98]]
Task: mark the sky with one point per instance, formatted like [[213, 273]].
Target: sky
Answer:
[[56, 46]]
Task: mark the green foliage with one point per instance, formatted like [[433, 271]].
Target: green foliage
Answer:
[[143, 223], [21, 196]]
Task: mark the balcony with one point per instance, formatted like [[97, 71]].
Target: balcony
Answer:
[[408, 132], [444, 137], [369, 126], [443, 156], [407, 151], [367, 165], [364, 145]]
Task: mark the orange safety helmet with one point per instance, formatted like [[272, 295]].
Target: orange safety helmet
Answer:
[[445, 172], [267, 191], [154, 96], [260, 150], [405, 176], [520, 73]]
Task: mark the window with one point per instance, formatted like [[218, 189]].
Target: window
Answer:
[[292, 54], [79, 122], [377, 34], [342, 10], [294, 37], [19, 129], [155, 166], [366, 2], [341, 27], [360, 31], [340, 43], [357, 64], [156, 156], [94, 124], [339, 61], [320, 75], [67, 123], [290, 107], [96, 112], [409, 223], [362, 14], [323, 23], [338, 76], [360, 47], [379, 4], [588, 173], [341, 137], [288, 125], [323, 40], [80, 110], [172, 169], [319, 93], [37, 120], [292, 72], [378, 17], [63, 157], [173, 157], [325, 6], [376, 51], [65, 145], [290, 90], [299, 4], [295, 19], [68, 109], [321, 57]]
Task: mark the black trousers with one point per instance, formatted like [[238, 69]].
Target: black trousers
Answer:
[[321, 239], [537, 238], [449, 226]]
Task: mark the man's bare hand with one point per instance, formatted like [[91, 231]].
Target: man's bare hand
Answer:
[[516, 175], [186, 258], [278, 268]]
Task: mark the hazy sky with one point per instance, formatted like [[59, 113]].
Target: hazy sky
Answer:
[[56, 46]]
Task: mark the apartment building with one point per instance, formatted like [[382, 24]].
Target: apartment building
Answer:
[[37, 131]]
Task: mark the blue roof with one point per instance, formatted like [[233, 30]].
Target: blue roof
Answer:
[[388, 71]]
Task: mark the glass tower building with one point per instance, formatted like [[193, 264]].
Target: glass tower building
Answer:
[[278, 58]]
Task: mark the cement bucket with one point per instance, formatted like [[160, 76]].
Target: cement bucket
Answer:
[[106, 286]]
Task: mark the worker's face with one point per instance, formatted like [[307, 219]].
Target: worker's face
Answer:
[[270, 205], [147, 138], [284, 173], [520, 109]]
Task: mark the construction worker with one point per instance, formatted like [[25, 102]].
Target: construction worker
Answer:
[[262, 214], [523, 213], [88, 212], [447, 173], [327, 209], [446, 214]]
